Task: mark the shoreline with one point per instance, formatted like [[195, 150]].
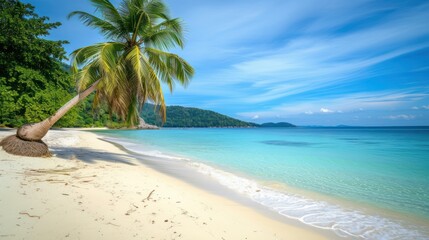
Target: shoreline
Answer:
[[362, 211], [93, 189], [206, 183]]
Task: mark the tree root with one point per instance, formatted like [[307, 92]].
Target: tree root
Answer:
[[17, 146]]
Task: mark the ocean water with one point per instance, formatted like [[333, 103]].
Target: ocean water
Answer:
[[369, 183]]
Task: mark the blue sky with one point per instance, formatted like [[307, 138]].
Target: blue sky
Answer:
[[307, 62]]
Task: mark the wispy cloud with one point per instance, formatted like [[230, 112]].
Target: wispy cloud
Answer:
[[424, 107], [421, 69], [354, 102], [258, 66], [325, 110], [401, 116]]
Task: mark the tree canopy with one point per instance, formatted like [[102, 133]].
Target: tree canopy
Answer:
[[33, 81]]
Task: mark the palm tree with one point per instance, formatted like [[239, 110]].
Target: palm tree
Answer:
[[125, 72]]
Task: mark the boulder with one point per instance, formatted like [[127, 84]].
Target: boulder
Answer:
[[144, 125]]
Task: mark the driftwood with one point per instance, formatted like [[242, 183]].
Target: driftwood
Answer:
[[26, 213], [116, 225], [38, 172], [148, 196]]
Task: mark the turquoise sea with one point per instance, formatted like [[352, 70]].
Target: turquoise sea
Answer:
[[369, 183]]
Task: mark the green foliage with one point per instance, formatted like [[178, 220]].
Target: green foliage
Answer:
[[178, 116], [33, 82], [21, 41], [95, 117]]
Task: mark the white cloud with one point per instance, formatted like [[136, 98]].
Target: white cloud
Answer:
[[401, 116], [426, 107], [325, 110], [255, 117], [309, 112]]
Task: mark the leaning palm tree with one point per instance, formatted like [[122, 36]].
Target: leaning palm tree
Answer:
[[125, 72]]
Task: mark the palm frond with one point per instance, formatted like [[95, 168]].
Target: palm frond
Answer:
[[157, 10], [135, 67], [84, 56], [108, 56], [153, 88], [105, 27], [165, 35], [172, 65], [108, 11], [86, 76], [139, 21], [162, 70]]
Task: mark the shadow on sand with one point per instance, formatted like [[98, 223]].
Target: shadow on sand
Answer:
[[89, 155]]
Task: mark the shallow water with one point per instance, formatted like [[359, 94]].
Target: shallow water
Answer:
[[380, 169]]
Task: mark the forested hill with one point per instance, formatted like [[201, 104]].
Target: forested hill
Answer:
[[178, 116]]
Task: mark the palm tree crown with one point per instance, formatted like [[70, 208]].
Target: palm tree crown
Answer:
[[129, 69]]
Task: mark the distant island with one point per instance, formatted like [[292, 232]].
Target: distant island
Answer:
[[187, 117], [279, 124]]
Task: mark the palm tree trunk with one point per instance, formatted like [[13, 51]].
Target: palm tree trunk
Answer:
[[36, 131]]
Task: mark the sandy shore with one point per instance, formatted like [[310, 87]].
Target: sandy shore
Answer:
[[92, 189]]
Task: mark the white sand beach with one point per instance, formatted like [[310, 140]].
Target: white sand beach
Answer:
[[91, 189]]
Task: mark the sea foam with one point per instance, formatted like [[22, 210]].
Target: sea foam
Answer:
[[320, 214]]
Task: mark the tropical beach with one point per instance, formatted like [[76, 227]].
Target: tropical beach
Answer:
[[91, 189], [100, 185]]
